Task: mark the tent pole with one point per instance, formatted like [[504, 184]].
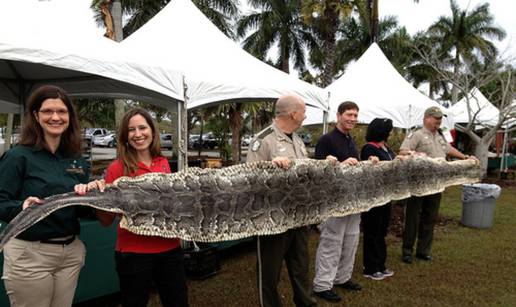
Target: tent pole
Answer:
[[503, 161], [325, 115], [9, 131], [182, 118]]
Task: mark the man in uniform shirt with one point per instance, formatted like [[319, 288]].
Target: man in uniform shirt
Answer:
[[279, 143], [339, 235], [421, 212]]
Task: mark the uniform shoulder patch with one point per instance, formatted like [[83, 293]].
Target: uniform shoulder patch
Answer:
[[256, 145], [257, 140]]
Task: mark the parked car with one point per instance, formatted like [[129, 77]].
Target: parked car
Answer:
[[246, 140], [208, 141], [108, 140], [166, 140], [90, 134], [307, 138], [192, 139]]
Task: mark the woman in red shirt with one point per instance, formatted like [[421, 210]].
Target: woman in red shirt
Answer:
[[143, 260]]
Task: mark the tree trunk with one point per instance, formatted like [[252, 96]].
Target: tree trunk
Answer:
[[285, 59], [116, 13], [373, 15], [200, 136], [481, 151], [329, 46], [455, 89], [235, 119]]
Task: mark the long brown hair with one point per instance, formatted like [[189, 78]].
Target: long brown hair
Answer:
[[126, 153], [32, 133]]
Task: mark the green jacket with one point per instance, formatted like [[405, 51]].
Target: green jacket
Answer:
[[27, 171]]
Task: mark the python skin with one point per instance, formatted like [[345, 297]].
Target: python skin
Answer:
[[258, 198]]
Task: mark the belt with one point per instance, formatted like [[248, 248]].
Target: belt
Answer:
[[60, 241]]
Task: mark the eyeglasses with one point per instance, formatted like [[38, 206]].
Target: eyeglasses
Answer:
[[49, 112]]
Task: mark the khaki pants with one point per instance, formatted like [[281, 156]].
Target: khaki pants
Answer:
[[336, 251], [39, 274]]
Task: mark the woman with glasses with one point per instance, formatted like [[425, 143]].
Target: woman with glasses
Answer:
[[376, 221], [42, 264]]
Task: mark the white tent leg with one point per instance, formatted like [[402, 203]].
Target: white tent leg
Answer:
[[9, 131], [182, 118]]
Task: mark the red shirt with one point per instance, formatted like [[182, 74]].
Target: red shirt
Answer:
[[127, 241]]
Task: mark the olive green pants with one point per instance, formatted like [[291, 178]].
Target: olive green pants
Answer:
[[420, 218], [293, 247]]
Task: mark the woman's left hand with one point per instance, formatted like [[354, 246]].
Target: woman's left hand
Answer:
[[374, 159], [82, 188]]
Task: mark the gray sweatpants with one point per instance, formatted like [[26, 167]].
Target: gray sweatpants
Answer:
[[336, 251]]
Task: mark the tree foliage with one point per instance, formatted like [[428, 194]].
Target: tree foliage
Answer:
[[276, 22]]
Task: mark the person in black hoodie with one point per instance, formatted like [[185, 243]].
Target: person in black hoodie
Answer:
[[376, 221]]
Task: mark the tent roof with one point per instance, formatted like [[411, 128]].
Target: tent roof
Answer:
[[216, 68], [484, 111], [379, 90], [58, 42]]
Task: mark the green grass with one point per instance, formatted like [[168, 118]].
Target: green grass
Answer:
[[471, 267]]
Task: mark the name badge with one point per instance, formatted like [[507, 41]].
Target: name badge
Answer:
[[75, 171]]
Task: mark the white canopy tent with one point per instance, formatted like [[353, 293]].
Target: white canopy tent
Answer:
[[58, 42], [216, 68], [379, 90], [480, 109]]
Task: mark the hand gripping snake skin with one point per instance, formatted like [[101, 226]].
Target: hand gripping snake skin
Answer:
[[258, 198]]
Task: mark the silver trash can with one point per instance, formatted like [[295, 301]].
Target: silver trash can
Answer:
[[478, 204]]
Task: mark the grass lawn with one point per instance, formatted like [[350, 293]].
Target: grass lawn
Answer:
[[471, 267]]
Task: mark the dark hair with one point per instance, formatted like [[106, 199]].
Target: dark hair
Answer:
[[125, 152], [378, 130], [32, 133], [347, 105]]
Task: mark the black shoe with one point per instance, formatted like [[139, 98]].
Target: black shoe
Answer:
[[407, 258], [424, 257], [350, 285], [328, 295]]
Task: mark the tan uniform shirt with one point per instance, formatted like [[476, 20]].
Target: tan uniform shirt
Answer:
[[272, 142], [432, 144]]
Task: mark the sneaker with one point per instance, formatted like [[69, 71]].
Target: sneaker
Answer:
[[424, 257], [350, 285], [328, 295], [407, 258], [387, 273], [375, 276]]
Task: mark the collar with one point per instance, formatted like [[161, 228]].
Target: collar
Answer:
[[154, 161], [374, 144], [336, 130], [426, 130], [281, 135]]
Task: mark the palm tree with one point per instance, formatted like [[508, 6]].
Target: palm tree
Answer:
[[220, 12], [325, 17], [420, 71], [466, 32], [277, 21], [355, 38], [372, 6]]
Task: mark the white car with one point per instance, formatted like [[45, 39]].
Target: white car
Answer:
[[246, 140], [166, 140], [106, 140]]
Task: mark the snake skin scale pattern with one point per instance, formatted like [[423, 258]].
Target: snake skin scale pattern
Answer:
[[258, 198]]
